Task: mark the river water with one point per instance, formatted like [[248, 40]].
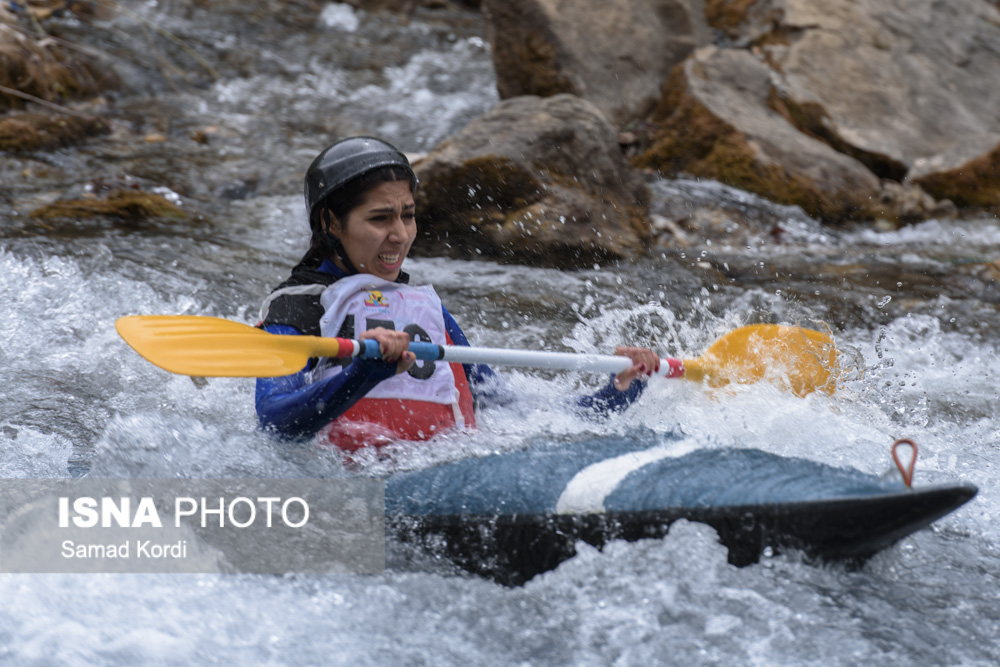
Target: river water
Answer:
[[914, 310]]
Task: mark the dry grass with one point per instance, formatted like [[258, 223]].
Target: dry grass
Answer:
[[42, 67], [36, 131]]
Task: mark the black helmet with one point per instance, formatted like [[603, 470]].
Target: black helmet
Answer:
[[346, 160]]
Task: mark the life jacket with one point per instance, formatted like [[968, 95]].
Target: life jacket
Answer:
[[430, 398]]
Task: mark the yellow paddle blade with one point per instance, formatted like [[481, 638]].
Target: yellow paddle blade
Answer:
[[804, 359], [214, 347]]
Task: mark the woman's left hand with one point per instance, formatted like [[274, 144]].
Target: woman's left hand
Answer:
[[644, 362]]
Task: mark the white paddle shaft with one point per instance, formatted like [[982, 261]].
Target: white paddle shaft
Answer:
[[567, 361]]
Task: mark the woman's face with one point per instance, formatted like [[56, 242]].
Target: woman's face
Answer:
[[379, 231]]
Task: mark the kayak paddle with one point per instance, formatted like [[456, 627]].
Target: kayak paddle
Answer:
[[214, 347]]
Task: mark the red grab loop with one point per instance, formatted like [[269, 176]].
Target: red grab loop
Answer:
[[906, 472]]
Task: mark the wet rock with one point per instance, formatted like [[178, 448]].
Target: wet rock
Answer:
[[121, 203], [534, 180], [909, 203], [238, 189], [615, 54], [715, 122]]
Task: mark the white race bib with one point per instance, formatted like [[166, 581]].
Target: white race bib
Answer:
[[370, 302]]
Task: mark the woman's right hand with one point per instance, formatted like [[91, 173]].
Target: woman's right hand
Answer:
[[394, 346], [644, 362]]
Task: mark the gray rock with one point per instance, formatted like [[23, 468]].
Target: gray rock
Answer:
[[897, 81], [905, 87], [615, 53], [715, 122], [536, 179]]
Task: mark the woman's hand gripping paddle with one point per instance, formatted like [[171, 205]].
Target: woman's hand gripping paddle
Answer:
[[214, 347]]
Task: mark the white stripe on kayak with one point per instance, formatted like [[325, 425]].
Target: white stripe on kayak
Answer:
[[590, 487]]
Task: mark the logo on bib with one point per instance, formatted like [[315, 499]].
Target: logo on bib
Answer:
[[375, 300]]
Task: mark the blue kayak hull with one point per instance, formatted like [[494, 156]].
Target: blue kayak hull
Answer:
[[514, 515]]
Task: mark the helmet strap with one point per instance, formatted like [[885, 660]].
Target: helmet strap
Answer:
[[338, 248], [334, 243]]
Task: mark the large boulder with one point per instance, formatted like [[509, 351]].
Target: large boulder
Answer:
[[904, 86], [897, 81], [715, 122], [538, 180], [615, 53]]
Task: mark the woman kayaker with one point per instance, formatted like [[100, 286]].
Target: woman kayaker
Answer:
[[359, 199]]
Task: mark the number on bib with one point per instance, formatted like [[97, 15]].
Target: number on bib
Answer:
[[419, 370]]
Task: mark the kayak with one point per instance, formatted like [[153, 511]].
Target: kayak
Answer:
[[511, 516]]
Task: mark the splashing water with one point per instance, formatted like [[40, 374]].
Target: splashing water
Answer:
[[77, 401]]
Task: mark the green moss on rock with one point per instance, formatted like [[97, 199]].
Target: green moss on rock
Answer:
[[538, 69], [974, 184], [697, 142], [727, 15], [37, 131], [459, 195], [129, 205]]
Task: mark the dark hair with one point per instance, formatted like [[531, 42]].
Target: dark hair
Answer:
[[340, 203]]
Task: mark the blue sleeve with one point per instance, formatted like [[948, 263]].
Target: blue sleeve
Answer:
[[609, 400], [294, 409], [488, 388]]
